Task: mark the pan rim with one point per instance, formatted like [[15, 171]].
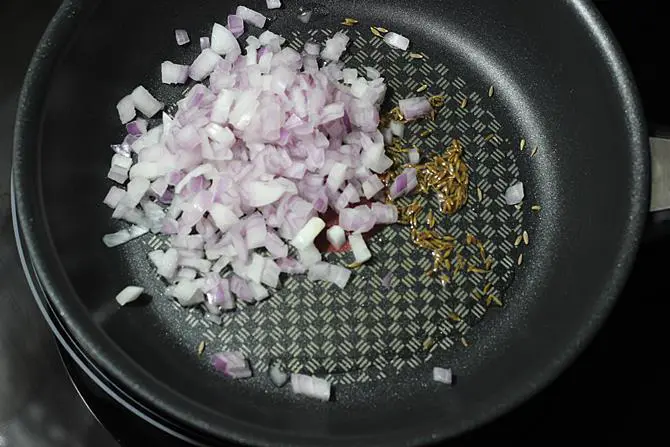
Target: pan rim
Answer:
[[30, 221]]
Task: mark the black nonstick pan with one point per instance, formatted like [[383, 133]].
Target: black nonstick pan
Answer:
[[559, 83]]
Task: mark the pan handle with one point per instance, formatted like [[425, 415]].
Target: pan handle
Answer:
[[658, 224]]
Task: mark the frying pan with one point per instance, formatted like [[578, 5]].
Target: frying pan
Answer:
[[560, 83]]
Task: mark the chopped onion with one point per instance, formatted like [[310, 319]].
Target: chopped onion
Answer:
[[336, 236], [397, 128], [273, 4], [310, 386], [308, 233], [113, 197], [404, 183], [123, 236], [181, 36], [309, 255], [223, 42], [372, 73], [129, 294], [278, 374], [384, 214], [126, 109], [204, 42], [312, 48], [322, 271], [358, 246], [413, 156], [145, 102], [514, 194], [173, 73], [246, 162], [335, 46], [232, 364], [396, 40], [250, 16], [136, 128], [360, 219], [235, 25], [413, 108], [371, 186], [336, 176], [443, 375], [304, 15]]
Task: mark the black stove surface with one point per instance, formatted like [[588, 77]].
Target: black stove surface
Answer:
[[608, 394]]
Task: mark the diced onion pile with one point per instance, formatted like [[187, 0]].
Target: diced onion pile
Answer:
[[249, 162]]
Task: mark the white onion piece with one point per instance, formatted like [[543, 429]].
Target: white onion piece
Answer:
[[271, 271], [223, 216], [135, 190], [349, 75], [255, 270], [397, 128], [372, 73], [187, 292], [388, 135], [413, 156], [113, 197], [371, 186], [312, 48], [259, 293], [359, 248], [336, 176], [173, 73], [336, 236], [204, 42], [322, 271], [309, 256], [224, 42], [514, 194], [126, 109], [384, 214], [129, 294], [335, 46], [145, 102], [310, 386], [360, 219], [273, 4], [222, 105], [166, 263], [404, 183], [250, 16], [308, 233], [278, 374], [232, 364], [204, 64], [305, 16], [236, 25], [396, 40], [220, 134], [413, 108], [181, 36], [123, 236], [264, 193], [443, 375], [137, 127]]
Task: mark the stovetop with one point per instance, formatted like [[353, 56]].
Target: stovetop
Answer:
[[609, 393]]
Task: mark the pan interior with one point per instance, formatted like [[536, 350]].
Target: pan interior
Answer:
[[367, 340]]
